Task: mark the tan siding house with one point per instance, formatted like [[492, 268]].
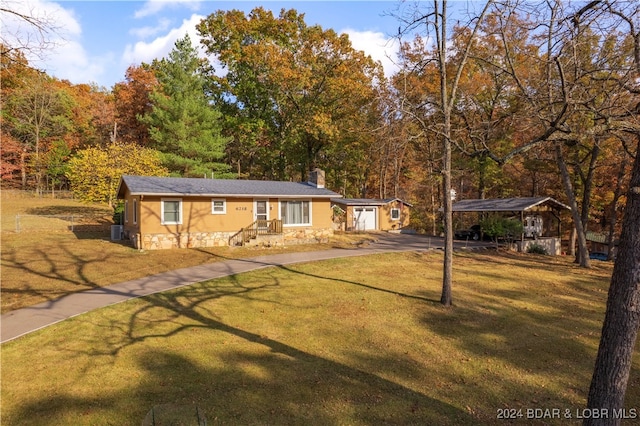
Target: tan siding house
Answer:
[[164, 213], [364, 214]]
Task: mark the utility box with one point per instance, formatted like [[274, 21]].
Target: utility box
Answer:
[[116, 232]]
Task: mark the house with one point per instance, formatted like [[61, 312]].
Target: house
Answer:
[[364, 214], [540, 217], [167, 212]]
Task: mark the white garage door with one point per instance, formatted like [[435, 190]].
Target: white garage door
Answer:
[[364, 218]]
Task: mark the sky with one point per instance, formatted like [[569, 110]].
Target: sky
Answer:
[[96, 41]]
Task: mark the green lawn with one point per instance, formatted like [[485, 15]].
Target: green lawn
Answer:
[[358, 341], [46, 260]]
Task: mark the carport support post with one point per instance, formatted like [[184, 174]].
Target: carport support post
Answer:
[[522, 233]]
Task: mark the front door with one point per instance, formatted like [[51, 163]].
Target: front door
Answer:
[[262, 210]]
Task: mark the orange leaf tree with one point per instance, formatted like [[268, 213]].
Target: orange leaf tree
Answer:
[[300, 96]]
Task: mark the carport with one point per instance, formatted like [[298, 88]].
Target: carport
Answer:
[[540, 217]]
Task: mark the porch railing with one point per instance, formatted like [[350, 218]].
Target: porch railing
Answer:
[[259, 227]]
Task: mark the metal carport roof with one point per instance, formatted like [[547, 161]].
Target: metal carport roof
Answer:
[[507, 204]]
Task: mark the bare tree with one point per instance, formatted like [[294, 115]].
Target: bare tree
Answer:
[[445, 57], [622, 317], [27, 29]]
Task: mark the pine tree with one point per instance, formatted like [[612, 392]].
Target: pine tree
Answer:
[[182, 123]]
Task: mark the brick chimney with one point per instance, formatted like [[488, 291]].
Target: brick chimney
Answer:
[[316, 178]]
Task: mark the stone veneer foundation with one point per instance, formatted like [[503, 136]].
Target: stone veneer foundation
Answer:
[[221, 239]]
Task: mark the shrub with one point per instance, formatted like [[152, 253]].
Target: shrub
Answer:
[[537, 249], [118, 213], [501, 227]]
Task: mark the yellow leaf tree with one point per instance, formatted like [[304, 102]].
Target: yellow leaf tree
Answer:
[[95, 172]]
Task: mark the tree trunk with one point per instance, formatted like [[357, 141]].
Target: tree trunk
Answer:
[[447, 270], [583, 252], [447, 274], [613, 217], [572, 242], [587, 183], [622, 317], [23, 168]]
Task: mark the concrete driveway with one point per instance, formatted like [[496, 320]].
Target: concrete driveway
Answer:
[[26, 320]]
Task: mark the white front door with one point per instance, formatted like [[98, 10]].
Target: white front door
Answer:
[[261, 210], [364, 218]]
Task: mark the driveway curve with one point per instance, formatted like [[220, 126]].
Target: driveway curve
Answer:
[[23, 321]]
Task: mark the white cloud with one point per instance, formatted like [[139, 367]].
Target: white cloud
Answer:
[[59, 50], [146, 32], [380, 47], [72, 63], [158, 48], [153, 7], [57, 25]]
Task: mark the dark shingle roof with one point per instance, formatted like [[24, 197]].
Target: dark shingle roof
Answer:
[[506, 204], [150, 185], [367, 201]]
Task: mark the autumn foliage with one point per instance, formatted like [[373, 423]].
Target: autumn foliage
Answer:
[[293, 96]]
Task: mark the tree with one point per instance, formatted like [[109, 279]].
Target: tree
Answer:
[[95, 172], [36, 113], [11, 159], [26, 29], [497, 227], [56, 162], [132, 99], [571, 91], [92, 114], [182, 123], [297, 94], [444, 103], [622, 316]]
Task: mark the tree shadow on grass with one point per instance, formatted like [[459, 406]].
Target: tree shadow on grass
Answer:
[[46, 265], [265, 262], [549, 340], [280, 385], [51, 271], [269, 380], [250, 379]]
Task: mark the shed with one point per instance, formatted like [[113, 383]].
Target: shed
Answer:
[[540, 217], [369, 214]]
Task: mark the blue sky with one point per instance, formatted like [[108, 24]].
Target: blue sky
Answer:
[[97, 40]]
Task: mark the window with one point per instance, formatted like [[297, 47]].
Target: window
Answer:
[[218, 206], [171, 211], [395, 214], [295, 212], [135, 212]]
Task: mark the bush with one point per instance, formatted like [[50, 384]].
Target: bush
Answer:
[[118, 214], [537, 249], [501, 227]]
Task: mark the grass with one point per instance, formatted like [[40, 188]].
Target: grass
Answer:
[[350, 341], [356, 341], [46, 260]]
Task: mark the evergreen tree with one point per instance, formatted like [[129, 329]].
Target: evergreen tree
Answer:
[[182, 123]]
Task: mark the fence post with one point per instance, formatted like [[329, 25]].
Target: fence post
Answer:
[[71, 223]]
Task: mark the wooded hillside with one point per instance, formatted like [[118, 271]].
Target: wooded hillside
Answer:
[[545, 105]]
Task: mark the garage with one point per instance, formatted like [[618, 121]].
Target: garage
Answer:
[[369, 214], [364, 218]]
